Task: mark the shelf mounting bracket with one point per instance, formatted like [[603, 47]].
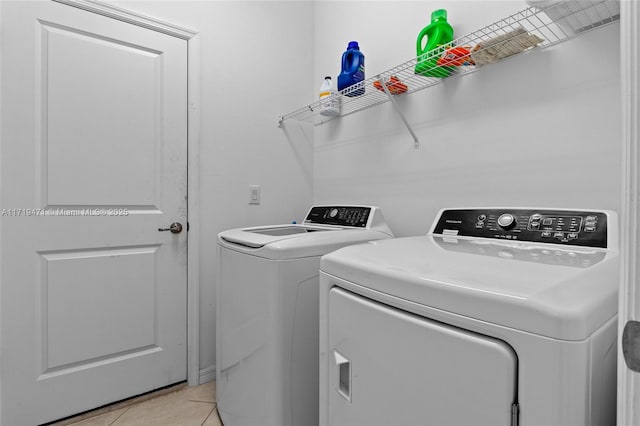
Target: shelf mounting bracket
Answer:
[[416, 141]]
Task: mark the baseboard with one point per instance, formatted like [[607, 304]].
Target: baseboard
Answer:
[[207, 374]]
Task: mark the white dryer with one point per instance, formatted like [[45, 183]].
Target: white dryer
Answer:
[[267, 313], [497, 317]]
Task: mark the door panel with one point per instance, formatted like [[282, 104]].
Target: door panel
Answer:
[[93, 162], [392, 367], [122, 83], [100, 282]]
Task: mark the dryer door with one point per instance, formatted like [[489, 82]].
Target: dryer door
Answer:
[[388, 366]]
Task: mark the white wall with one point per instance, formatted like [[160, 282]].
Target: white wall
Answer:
[[539, 129], [256, 63]]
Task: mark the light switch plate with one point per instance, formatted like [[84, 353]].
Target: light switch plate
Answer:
[[254, 194]]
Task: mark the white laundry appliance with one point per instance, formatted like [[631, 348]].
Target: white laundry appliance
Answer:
[[267, 313], [496, 317]]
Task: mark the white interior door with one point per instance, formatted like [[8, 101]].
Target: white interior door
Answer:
[[93, 163]]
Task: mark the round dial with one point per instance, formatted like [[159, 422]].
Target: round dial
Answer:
[[333, 213], [506, 221]]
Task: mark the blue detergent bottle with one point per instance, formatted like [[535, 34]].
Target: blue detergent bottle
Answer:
[[352, 69]]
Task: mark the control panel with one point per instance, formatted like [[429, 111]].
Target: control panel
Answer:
[[579, 228], [339, 215]]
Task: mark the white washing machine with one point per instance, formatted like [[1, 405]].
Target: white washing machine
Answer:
[[496, 317], [267, 313]]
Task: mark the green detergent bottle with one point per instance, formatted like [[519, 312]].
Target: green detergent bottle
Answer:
[[439, 32]]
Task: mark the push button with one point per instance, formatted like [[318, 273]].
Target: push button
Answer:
[[589, 228], [546, 234], [559, 235], [572, 235]]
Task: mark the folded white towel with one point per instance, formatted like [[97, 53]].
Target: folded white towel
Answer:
[[504, 45]]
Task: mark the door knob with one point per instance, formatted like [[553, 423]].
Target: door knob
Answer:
[[175, 228], [631, 345]]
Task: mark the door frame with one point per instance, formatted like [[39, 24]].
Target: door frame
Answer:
[[630, 206], [193, 146]]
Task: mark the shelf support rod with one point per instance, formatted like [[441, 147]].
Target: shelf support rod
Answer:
[[416, 141]]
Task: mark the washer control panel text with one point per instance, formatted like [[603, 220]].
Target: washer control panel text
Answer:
[[544, 226], [339, 215]]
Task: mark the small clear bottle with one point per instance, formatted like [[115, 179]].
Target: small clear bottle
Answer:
[[329, 102]]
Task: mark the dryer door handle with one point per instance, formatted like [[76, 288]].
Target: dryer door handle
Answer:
[[343, 375]]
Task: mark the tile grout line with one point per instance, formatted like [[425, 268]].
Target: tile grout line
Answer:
[[123, 413], [209, 415]]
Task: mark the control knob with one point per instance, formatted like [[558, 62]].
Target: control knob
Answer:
[[506, 221]]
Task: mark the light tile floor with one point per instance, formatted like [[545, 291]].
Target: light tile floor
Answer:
[[180, 405]]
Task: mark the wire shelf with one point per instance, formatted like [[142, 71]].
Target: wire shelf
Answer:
[[534, 27]]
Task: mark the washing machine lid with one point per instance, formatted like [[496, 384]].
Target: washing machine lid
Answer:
[[326, 228], [559, 291], [260, 236]]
